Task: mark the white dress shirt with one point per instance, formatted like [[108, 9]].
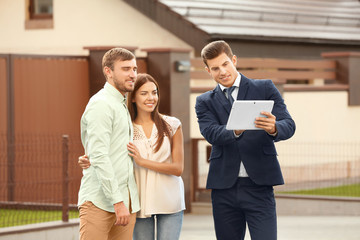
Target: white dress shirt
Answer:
[[242, 172]]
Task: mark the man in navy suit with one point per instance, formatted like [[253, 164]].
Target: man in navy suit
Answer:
[[243, 164]]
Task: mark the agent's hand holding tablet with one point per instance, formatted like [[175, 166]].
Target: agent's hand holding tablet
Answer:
[[244, 113]]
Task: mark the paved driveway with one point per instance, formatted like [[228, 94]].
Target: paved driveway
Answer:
[[201, 227]]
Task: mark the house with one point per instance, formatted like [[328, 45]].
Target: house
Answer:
[[41, 37]]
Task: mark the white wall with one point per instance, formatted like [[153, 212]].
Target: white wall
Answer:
[[323, 116], [81, 23], [327, 131]]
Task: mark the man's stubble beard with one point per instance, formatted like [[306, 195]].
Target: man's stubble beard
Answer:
[[122, 88]]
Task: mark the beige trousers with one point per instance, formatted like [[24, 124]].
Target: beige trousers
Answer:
[[96, 224]]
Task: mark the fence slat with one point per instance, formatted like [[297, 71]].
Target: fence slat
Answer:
[[65, 176], [285, 63]]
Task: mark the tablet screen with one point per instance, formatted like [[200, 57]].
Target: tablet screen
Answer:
[[244, 112]]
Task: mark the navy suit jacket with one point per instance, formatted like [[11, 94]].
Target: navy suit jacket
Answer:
[[255, 148]]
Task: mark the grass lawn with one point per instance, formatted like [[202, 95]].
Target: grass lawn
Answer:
[[341, 191], [15, 217]]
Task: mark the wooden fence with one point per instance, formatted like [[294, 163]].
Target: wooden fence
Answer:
[[287, 74]]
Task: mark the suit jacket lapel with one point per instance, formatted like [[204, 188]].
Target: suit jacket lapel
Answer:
[[244, 85], [220, 97]]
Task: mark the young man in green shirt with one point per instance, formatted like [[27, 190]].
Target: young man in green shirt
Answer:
[[108, 197]]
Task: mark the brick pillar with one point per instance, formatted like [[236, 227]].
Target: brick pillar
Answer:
[[171, 68], [348, 72]]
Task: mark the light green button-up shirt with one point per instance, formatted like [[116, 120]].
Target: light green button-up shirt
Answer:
[[106, 129]]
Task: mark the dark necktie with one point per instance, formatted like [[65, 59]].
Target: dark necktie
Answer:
[[229, 92]]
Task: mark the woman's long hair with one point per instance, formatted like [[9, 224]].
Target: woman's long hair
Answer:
[[161, 125]]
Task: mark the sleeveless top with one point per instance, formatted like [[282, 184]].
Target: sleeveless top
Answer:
[[159, 193]]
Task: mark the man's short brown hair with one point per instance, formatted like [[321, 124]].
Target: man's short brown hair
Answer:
[[116, 54], [214, 49]]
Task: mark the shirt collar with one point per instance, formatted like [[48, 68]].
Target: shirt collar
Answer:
[[236, 82], [114, 92]]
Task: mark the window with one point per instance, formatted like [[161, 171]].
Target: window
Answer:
[[39, 14], [41, 9]]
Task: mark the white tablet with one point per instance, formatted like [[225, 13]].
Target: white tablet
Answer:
[[244, 112]]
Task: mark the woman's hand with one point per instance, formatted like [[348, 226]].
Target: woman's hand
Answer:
[[175, 167], [84, 162], [135, 154]]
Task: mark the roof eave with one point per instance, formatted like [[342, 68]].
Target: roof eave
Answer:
[[259, 38]]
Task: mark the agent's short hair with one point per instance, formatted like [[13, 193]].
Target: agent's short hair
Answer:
[[214, 49], [116, 54]]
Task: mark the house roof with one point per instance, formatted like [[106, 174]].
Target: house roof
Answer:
[[309, 20]]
